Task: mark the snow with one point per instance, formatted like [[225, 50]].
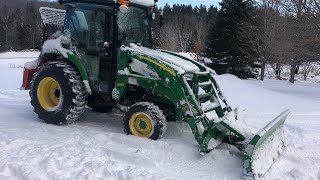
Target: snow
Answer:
[[186, 55], [95, 147], [143, 69], [147, 3], [133, 81], [237, 120], [87, 86], [125, 71], [207, 61], [31, 64], [209, 105], [54, 46], [115, 94], [171, 60], [265, 155], [11, 68]]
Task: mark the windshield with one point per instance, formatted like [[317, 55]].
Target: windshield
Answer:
[[133, 26]]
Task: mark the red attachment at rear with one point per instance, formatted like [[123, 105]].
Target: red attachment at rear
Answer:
[[27, 75]]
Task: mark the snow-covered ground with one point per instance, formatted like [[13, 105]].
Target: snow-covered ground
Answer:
[[95, 147]]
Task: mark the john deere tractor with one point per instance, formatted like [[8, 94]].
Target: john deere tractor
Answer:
[[98, 54]]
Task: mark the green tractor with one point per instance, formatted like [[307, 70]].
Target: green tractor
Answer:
[[101, 58]]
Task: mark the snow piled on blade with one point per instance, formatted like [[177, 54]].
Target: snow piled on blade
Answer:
[[175, 62], [268, 152], [236, 120]]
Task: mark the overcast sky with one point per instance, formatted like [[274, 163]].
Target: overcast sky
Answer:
[[192, 2]]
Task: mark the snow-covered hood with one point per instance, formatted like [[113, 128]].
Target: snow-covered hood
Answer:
[[180, 65]]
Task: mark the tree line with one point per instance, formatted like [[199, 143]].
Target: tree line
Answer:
[[185, 27], [276, 32], [238, 37], [20, 24]]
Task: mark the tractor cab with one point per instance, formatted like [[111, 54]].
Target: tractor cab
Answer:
[[98, 29]]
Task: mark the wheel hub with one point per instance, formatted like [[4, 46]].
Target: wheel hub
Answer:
[[57, 93], [49, 93], [141, 125]]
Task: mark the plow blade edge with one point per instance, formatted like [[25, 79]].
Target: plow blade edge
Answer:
[[265, 147]]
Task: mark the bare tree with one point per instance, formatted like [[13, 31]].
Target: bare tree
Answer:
[[306, 68]]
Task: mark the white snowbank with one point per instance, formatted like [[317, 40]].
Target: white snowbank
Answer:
[[21, 54]]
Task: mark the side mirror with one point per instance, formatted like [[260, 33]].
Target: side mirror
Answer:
[[161, 18]]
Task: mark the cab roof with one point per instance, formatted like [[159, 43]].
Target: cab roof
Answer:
[[145, 3]]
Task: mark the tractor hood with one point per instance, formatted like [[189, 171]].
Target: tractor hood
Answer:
[[180, 65]]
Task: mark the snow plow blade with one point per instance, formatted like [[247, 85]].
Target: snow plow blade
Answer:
[[264, 148]]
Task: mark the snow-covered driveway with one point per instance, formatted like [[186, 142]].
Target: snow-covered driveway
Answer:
[[95, 147]]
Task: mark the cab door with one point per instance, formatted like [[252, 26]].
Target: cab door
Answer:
[[91, 28]]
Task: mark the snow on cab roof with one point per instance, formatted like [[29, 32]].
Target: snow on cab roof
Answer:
[[147, 3]]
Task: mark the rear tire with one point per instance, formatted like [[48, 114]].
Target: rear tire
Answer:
[[145, 120], [58, 93]]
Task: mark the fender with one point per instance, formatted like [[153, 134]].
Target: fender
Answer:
[[82, 69]]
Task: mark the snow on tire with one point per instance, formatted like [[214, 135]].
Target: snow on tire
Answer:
[[145, 119], [57, 93]]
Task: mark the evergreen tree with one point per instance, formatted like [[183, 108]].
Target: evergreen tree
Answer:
[[229, 50]]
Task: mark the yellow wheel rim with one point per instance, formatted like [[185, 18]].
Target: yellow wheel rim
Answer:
[[141, 125], [49, 93]]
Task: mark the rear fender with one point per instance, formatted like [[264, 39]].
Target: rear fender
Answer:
[[78, 64], [82, 69]]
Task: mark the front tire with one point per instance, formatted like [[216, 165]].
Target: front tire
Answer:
[[145, 120], [57, 93]]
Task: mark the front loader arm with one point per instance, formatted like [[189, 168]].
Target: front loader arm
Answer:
[[196, 98]]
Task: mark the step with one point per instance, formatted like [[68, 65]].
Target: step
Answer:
[[204, 84], [209, 107], [205, 73], [205, 95]]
